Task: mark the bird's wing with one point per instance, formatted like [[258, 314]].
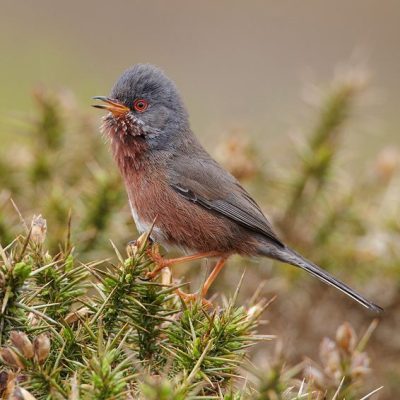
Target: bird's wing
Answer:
[[203, 181]]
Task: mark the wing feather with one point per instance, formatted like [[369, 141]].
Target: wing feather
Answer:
[[207, 184]]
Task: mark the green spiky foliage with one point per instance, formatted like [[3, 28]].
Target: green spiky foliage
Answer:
[[104, 330], [13, 274], [124, 298], [101, 330], [220, 339]]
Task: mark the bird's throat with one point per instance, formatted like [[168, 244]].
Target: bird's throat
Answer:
[[128, 143], [129, 152]]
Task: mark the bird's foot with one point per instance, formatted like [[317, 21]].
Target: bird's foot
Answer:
[[193, 297], [153, 252]]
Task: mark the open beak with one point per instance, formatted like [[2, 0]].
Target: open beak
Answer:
[[114, 106]]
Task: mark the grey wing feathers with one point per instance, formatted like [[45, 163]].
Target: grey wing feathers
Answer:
[[205, 183]]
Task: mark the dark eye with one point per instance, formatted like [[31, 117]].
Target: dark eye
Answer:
[[140, 105]]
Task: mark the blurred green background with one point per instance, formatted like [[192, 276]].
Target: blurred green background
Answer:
[[258, 79]]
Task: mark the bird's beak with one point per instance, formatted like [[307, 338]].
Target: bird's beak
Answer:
[[114, 106]]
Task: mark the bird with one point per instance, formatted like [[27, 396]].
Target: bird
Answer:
[[176, 189]]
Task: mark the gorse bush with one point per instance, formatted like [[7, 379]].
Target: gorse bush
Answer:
[[68, 326], [99, 330]]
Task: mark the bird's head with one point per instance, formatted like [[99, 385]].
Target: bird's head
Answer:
[[143, 103]]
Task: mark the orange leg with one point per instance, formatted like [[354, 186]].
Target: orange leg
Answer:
[[186, 297], [162, 262], [211, 278]]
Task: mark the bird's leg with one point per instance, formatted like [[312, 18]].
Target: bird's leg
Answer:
[[161, 262], [187, 297], [214, 273]]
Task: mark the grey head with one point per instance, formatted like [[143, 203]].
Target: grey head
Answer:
[[144, 102]]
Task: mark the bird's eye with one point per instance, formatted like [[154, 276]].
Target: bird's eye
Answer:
[[140, 105]]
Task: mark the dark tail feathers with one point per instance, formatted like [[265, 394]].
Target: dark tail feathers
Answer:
[[290, 256]]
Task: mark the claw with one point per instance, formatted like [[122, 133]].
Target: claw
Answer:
[[150, 276], [153, 252], [192, 297], [145, 278]]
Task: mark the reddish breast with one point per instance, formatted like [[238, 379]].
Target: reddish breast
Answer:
[[179, 222]]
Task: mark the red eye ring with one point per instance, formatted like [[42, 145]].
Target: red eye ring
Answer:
[[140, 105]]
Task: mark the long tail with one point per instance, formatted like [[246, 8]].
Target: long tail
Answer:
[[290, 256]]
